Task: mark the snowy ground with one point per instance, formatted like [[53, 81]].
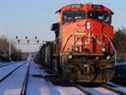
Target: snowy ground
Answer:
[[12, 85], [36, 86], [39, 85], [5, 70]]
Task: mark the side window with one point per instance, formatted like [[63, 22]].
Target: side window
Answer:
[[103, 17], [90, 15], [107, 18], [55, 27]]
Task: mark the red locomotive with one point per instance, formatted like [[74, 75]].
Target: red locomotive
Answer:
[[83, 49]]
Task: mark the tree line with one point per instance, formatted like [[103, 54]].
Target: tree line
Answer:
[[4, 50], [120, 43]]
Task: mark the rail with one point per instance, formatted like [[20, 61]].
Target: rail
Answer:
[[25, 82], [3, 65], [10, 73], [114, 88], [67, 41], [93, 90]]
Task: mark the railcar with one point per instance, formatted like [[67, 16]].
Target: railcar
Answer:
[[83, 49]]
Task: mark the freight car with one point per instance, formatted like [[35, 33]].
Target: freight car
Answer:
[[83, 50]]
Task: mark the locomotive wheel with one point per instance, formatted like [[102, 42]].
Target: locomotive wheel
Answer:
[[107, 70], [103, 64], [54, 66], [89, 73]]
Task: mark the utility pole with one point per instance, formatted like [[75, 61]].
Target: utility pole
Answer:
[[9, 43]]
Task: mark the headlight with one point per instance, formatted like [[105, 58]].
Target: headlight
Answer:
[[76, 49], [70, 57], [103, 49], [97, 58], [88, 25], [108, 57]]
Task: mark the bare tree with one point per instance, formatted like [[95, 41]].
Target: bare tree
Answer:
[[4, 50]]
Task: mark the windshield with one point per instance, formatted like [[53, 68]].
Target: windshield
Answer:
[[73, 15], [102, 16]]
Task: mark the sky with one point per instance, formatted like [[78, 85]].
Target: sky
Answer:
[[34, 17]]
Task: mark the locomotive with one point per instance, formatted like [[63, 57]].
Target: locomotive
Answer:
[[83, 49]]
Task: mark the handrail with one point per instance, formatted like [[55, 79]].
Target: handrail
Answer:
[[67, 41], [112, 47]]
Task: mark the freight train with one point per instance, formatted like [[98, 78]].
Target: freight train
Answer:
[[83, 49]]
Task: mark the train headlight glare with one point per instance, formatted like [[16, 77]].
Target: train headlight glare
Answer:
[[97, 58], [76, 49], [108, 57], [70, 56], [88, 25], [103, 49]]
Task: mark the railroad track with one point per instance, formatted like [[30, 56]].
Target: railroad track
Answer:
[[22, 83], [83, 90], [116, 88], [7, 64], [110, 87], [11, 72], [25, 82]]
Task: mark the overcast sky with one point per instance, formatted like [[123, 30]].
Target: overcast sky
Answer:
[[34, 17]]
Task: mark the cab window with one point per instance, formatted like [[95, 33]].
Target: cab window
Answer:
[[103, 16], [69, 16], [100, 16]]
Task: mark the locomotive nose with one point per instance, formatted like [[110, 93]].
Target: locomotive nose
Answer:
[[86, 25], [89, 36]]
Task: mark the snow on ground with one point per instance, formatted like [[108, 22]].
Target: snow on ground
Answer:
[[12, 85], [5, 70], [70, 91], [40, 86], [119, 87], [37, 85], [104, 91], [2, 63]]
